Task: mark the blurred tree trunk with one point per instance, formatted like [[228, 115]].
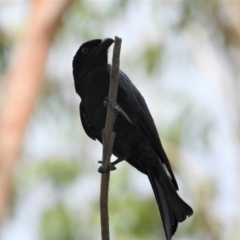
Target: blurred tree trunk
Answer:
[[24, 80]]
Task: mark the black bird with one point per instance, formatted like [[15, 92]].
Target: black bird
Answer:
[[137, 139]]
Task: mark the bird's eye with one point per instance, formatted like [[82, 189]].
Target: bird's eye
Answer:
[[85, 50]]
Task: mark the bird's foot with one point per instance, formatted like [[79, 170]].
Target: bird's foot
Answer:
[[118, 109], [111, 165]]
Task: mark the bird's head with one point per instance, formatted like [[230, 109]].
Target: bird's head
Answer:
[[92, 53]]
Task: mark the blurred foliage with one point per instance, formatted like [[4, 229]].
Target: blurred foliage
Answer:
[[60, 172], [152, 56], [181, 129], [136, 218], [4, 49], [198, 11], [214, 12], [86, 22], [132, 216], [57, 224]]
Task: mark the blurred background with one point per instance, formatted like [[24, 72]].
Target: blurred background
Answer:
[[184, 57]]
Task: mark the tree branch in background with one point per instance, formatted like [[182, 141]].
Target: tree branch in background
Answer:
[[24, 80], [108, 137]]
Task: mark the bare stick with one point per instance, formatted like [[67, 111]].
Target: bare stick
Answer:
[[108, 137]]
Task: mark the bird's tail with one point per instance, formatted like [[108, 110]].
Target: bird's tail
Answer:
[[172, 208]]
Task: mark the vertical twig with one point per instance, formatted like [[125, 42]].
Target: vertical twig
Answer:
[[108, 137]]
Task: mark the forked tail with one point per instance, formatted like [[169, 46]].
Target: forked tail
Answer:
[[172, 208]]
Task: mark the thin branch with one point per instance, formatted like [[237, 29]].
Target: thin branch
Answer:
[[108, 137]]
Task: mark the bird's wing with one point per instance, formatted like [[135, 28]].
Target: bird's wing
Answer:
[[87, 126], [136, 103]]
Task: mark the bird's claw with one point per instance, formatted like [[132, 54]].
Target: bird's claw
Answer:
[[110, 168], [111, 165]]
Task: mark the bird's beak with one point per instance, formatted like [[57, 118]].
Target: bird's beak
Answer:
[[103, 46]]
